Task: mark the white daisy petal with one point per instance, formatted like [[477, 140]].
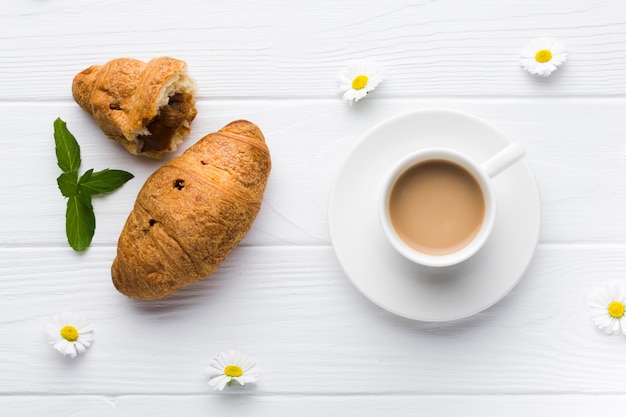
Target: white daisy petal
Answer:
[[219, 382], [543, 64], [60, 345], [223, 383], [614, 326], [79, 338], [605, 309], [249, 378], [231, 366], [358, 79], [214, 370], [70, 349]]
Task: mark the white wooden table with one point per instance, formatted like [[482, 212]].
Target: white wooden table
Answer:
[[322, 348]]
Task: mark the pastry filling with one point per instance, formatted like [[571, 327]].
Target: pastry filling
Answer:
[[179, 111]]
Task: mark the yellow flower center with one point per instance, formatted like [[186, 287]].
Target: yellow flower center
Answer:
[[69, 333], [233, 371], [543, 56], [616, 309], [359, 82]]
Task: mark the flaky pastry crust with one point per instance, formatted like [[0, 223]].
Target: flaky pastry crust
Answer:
[[146, 107], [192, 212]]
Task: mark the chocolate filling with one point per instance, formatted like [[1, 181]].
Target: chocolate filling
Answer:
[[162, 128]]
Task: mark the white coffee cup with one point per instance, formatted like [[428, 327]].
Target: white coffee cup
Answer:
[[458, 164]]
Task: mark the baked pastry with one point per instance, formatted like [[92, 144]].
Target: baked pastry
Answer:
[[147, 107], [192, 212]]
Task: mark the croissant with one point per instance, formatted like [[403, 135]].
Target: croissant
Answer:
[[146, 107], [192, 212]]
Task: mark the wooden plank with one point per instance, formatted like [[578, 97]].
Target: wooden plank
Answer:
[[313, 406], [237, 49], [582, 185], [305, 324], [322, 348]]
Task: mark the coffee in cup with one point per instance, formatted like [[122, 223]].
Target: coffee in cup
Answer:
[[437, 206]]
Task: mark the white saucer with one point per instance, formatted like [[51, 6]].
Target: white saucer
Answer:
[[387, 278]]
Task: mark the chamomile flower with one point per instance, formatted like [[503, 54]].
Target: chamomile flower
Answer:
[[607, 305], [231, 366], [358, 79], [542, 56], [69, 333]]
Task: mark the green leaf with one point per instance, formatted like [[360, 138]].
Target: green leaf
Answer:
[[67, 149], [68, 183], [104, 181], [86, 176], [80, 221]]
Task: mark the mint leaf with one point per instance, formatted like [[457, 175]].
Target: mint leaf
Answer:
[[86, 176], [80, 221], [67, 149], [68, 183], [104, 181]]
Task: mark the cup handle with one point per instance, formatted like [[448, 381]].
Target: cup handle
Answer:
[[504, 159]]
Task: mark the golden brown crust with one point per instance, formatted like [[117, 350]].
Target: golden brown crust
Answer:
[[192, 212], [146, 107]]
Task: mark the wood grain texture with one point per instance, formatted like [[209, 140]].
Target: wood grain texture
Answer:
[[310, 330], [283, 49], [321, 347], [580, 167], [367, 406]]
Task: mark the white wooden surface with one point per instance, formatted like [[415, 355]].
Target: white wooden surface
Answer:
[[321, 347]]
